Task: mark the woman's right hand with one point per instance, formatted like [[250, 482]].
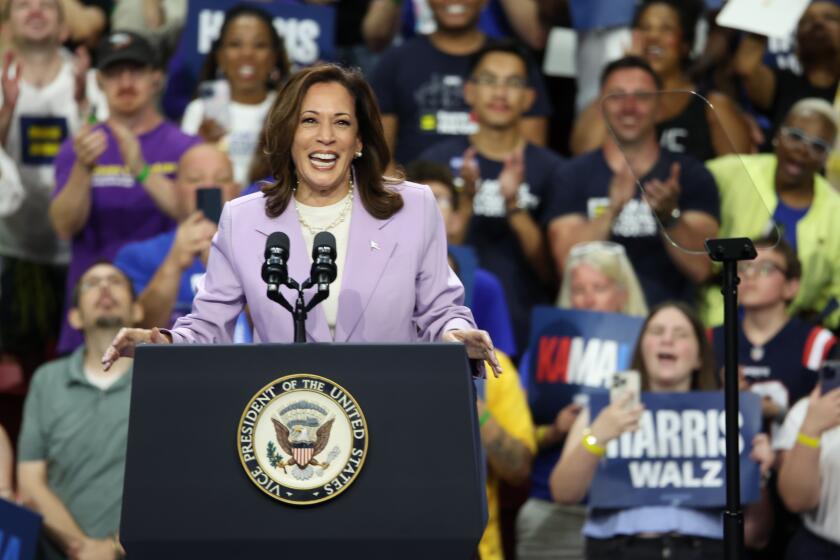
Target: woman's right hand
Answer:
[[127, 339], [617, 418], [823, 412]]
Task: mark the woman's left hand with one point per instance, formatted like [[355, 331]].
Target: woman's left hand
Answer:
[[479, 346]]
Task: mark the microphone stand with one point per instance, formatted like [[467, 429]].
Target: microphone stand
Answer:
[[301, 309], [729, 252]]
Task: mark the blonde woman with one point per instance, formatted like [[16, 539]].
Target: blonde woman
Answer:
[[597, 276]]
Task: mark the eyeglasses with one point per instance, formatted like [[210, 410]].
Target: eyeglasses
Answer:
[[795, 137], [489, 80], [112, 281], [762, 268]]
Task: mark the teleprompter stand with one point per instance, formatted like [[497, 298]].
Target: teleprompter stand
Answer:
[[419, 495], [729, 252]]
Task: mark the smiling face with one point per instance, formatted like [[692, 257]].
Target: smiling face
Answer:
[[35, 21], [246, 55], [498, 90], [670, 350], [593, 290], [630, 104], [662, 38], [326, 138], [799, 157], [456, 15]]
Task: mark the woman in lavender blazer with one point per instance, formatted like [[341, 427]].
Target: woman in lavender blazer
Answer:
[[328, 155]]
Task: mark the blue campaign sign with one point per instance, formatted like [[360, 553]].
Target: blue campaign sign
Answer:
[[677, 456], [588, 15], [19, 529], [571, 350], [308, 32]]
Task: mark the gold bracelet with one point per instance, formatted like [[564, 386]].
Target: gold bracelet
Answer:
[[808, 441], [590, 443]]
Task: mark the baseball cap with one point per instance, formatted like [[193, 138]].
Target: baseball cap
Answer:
[[124, 46]]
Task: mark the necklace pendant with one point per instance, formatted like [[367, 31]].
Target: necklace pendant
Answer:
[[757, 353]]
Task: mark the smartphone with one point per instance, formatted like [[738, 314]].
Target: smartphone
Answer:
[[215, 96], [209, 201], [829, 376], [624, 382]]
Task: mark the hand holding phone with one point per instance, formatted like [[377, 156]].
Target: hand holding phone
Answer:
[[829, 376], [209, 201], [624, 382]]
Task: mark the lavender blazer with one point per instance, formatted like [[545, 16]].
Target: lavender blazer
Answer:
[[397, 286]]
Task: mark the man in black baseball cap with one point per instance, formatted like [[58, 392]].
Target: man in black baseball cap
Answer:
[[125, 46]]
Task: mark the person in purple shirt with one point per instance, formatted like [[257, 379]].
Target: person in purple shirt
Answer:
[[113, 179]]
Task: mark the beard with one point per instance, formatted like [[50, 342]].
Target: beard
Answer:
[[110, 322]]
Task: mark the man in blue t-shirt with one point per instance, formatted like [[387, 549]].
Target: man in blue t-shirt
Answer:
[[166, 268], [506, 211], [420, 85], [778, 355], [597, 197]]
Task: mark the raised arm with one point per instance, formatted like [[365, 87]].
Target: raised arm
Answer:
[[70, 209], [759, 81], [572, 476]]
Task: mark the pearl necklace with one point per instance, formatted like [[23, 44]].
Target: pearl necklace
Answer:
[[348, 205]]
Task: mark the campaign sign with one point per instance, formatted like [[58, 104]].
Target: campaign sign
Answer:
[[308, 31], [677, 457], [19, 529], [571, 350]]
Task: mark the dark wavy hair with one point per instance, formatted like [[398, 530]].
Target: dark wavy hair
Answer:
[[279, 133], [702, 378], [688, 13], [282, 65]]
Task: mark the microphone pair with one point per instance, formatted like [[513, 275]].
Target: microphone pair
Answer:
[[275, 271]]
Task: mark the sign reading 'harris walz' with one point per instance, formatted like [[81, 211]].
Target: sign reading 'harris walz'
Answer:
[[678, 454], [302, 439]]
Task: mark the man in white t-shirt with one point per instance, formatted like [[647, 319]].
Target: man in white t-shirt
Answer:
[[809, 476], [39, 110]]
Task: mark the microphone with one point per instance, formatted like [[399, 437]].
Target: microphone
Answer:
[[323, 259], [275, 269]]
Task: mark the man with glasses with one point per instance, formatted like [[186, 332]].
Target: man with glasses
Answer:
[[597, 197], [778, 355], [420, 84], [506, 211], [71, 450], [802, 203]]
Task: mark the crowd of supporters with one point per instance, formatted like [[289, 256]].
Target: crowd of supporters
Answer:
[[593, 192]]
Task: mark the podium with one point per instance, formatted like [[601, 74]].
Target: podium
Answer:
[[419, 494]]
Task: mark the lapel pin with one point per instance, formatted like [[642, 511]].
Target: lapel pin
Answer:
[[374, 246]]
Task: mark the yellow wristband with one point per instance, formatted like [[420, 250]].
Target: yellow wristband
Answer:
[[590, 442], [541, 432], [808, 441]]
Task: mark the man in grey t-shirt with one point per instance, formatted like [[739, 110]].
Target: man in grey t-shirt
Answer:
[[71, 450]]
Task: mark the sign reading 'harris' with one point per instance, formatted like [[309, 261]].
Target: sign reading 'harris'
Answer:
[[302, 439], [678, 454]]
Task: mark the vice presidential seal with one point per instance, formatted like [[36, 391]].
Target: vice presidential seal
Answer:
[[302, 439]]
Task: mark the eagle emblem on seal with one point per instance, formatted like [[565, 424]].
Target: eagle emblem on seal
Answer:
[[302, 430]]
